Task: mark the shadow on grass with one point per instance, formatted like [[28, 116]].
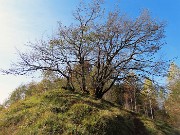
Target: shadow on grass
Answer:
[[167, 129]]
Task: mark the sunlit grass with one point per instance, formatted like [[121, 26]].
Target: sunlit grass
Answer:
[[64, 112]]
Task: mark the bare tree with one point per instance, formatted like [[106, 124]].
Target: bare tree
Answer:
[[125, 45], [113, 44], [42, 56], [79, 37]]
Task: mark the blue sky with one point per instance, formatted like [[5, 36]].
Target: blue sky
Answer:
[[26, 20]]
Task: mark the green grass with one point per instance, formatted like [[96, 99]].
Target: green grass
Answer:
[[64, 113]]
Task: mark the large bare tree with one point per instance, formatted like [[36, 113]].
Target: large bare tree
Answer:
[[112, 43]]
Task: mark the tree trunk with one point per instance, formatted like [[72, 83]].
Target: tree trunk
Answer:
[[83, 77], [145, 109], [84, 80], [98, 92], [99, 95], [68, 85], [151, 109], [135, 103]]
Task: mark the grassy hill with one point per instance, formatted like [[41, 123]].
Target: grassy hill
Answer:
[[64, 112]]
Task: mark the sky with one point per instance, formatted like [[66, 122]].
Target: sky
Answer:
[[27, 20]]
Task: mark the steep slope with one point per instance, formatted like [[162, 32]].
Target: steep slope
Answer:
[[63, 112]]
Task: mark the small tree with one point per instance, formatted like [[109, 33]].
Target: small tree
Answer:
[[150, 95], [173, 99]]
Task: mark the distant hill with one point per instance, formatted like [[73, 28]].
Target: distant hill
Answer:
[[66, 113]]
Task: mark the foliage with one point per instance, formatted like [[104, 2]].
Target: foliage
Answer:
[[172, 105], [173, 74], [1, 107], [150, 98], [31, 89], [173, 99], [137, 96]]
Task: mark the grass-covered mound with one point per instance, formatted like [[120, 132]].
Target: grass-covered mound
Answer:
[[64, 112]]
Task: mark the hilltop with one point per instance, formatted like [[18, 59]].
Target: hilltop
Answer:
[[64, 112]]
